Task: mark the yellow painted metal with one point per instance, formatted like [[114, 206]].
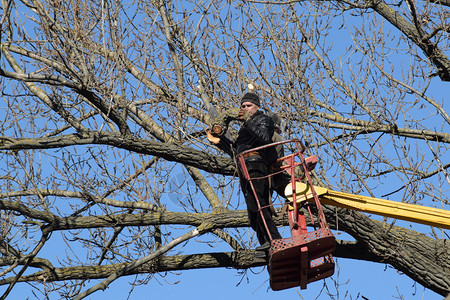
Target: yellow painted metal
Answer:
[[404, 211]]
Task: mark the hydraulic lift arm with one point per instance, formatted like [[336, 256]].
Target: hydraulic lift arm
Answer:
[[398, 210]]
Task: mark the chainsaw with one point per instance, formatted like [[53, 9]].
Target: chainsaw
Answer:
[[219, 121]]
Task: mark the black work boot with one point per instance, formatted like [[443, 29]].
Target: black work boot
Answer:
[[261, 254], [263, 247]]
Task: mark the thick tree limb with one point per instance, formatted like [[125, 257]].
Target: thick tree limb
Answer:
[[406, 250], [170, 151], [243, 259], [431, 50]]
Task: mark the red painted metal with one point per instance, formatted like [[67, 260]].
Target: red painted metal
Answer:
[[306, 256]]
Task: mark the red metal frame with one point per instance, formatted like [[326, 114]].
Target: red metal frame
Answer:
[[306, 256]]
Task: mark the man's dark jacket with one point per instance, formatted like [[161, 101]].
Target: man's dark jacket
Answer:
[[256, 131]]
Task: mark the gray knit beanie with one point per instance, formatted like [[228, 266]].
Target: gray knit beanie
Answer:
[[251, 97]]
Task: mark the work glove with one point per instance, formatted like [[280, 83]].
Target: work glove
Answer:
[[211, 138], [244, 115]]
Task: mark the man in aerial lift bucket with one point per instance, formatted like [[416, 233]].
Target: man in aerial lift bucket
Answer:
[[257, 130]]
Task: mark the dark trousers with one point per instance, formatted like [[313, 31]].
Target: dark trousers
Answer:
[[261, 186]]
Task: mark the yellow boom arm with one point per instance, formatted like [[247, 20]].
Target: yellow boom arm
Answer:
[[398, 210]]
